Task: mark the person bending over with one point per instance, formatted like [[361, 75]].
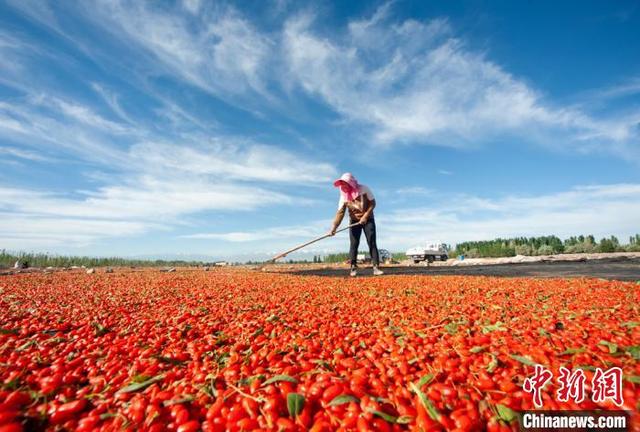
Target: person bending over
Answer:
[[359, 200]]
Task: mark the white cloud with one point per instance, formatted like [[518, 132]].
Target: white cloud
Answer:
[[414, 81], [46, 129], [628, 88], [113, 101], [26, 231], [278, 233], [413, 190], [152, 184], [143, 198], [398, 80], [193, 6], [23, 154], [444, 172], [221, 53], [81, 113], [601, 210], [232, 159]]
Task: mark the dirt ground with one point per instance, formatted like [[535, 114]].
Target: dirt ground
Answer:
[[619, 268]]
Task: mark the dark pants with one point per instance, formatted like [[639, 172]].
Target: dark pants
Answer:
[[370, 233]]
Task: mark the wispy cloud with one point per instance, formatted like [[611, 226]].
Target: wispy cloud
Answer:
[[23, 154], [113, 101], [154, 182], [80, 113], [598, 209], [28, 231], [280, 233], [220, 51], [233, 159], [413, 190], [631, 87], [416, 82], [391, 80]]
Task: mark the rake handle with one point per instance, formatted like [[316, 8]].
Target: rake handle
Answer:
[[284, 254]]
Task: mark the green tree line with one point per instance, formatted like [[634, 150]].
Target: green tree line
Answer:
[[544, 245], [45, 260]]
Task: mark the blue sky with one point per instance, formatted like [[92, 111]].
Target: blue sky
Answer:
[[213, 128]]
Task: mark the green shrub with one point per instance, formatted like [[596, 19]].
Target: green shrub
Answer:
[[582, 247], [634, 247], [524, 249], [606, 245], [472, 253], [545, 250]]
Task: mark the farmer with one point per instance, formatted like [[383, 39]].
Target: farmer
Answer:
[[359, 199]]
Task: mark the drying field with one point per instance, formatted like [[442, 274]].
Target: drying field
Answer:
[[244, 350]]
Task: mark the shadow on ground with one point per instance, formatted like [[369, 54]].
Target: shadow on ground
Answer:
[[619, 269]]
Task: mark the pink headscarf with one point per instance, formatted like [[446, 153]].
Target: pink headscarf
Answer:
[[348, 181]]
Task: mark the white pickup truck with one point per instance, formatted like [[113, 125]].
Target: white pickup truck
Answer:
[[429, 252]]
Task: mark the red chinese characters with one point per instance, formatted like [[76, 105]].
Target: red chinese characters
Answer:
[[571, 385], [536, 383], [607, 385]]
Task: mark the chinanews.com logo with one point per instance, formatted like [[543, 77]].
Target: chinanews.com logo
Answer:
[[610, 421], [606, 386]]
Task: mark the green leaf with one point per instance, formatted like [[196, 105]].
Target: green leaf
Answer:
[[426, 402], [477, 349], [493, 364], [505, 413], [250, 379], [613, 348], [632, 378], [571, 351], [405, 419], [630, 324], [100, 329], [542, 332], [343, 399], [385, 416], [451, 328], [493, 327], [27, 345], [6, 331], [295, 403], [523, 360], [278, 378], [139, 378], [633, 351], [137, 386], [322, 363], [168, 360], [587, 367], [420, 334], [425, 380]]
